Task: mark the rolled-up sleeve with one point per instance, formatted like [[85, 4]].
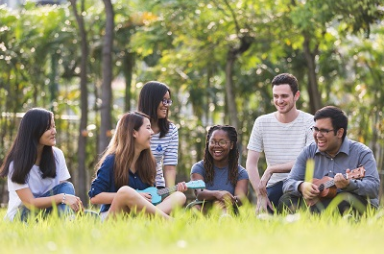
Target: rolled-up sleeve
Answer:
[[104, 178], [369, 186], [297, 174]]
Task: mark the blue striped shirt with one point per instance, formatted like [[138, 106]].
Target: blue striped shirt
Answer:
[[165, 150]]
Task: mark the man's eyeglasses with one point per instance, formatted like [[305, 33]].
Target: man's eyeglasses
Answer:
[[322, 131], [167, 102], [221, 142]]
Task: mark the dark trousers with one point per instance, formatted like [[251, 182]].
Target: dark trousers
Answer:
[[344, 202], [274, 193], [64, 187]]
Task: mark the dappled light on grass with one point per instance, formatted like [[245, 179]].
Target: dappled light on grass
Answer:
[[192, 232]]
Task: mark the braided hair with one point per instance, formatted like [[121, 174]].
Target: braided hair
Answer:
[[233, 156]]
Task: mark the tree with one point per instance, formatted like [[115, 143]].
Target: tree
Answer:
[[313, 18], [107, 74], [81, 179]]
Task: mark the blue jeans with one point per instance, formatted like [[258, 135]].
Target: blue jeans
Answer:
[[62, 209], [349, 202], [274, 193]]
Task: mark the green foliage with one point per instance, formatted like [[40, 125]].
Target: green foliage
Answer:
[[186, 44]]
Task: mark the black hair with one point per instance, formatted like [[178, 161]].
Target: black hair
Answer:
[[233, 156], [338, 118], [150, 97], [23, 152]]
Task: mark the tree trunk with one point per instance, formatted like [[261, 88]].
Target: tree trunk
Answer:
[[128, 63], [230, 96], [313, 91], [106, 89], [81, 179], [233, 53]]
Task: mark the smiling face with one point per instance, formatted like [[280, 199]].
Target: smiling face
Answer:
[[49, 136], [143, 135], [219, 147], [283, 98], [162, 109], [328, 142]]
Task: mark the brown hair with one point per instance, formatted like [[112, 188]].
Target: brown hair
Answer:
[[122, 145]]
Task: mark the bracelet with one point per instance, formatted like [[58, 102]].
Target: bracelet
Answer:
[[63, 200]]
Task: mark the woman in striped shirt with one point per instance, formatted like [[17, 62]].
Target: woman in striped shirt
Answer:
[[155, 100]]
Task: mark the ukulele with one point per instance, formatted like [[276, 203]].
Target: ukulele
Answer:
[[159, 194], [327, 188]]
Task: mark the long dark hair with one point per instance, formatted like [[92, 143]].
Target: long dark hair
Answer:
[[233, 156], [150, 97], [122, 145], [23, 152]]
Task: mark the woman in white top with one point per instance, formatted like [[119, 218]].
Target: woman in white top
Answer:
[[36, 170], [155, 100]]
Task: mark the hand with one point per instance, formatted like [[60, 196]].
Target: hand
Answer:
[[181, 187], [340, 181], [265, 178], [263, 203], [74, 203], [309, 190], [147, 196], [225, 197]]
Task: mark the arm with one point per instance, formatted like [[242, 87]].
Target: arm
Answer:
[[170, 175], [171, 158], [30, 201], [241, 191], [170, 179], [103, 198], [211, 195], [102, 191], [370, 184], [297, 175], [253, 170], [259, 187], [278, 168]]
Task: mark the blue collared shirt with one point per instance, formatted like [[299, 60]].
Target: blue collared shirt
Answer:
[[105, 181], [351, 155]]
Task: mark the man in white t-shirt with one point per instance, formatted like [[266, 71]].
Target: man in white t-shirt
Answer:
[[281, 135]]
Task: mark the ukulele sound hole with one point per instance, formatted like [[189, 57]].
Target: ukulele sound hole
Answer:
[[321, 187]]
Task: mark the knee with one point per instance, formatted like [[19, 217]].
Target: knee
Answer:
[[126, 193], [179, 197], [67, 188]]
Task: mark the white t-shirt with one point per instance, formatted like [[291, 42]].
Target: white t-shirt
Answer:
[[35, 182], [280, 142]]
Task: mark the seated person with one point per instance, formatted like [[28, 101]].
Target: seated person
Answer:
[[226, 181], [127, 166], [334, 156], [37, 172]]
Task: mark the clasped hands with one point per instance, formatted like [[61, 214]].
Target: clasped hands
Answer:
[[226, 197], [74, 203], [263, 202]]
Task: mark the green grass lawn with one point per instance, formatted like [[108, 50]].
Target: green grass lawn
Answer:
[[191, 233]]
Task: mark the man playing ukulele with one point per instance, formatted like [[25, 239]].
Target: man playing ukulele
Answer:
[[346, 168]]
